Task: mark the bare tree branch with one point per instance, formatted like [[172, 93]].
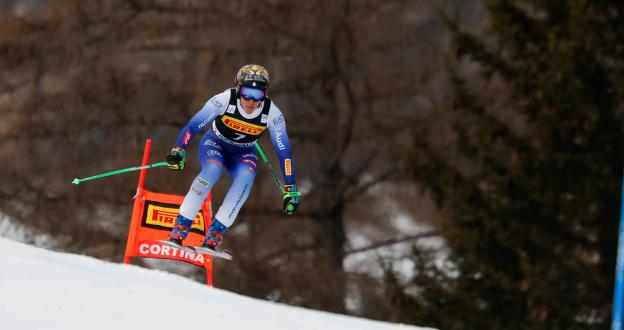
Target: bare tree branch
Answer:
[[358, 190], [392, 241]]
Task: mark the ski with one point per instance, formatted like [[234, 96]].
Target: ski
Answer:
[[199, 249], [223, 254]]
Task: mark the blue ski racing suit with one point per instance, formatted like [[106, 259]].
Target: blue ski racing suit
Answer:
[[228, 142]]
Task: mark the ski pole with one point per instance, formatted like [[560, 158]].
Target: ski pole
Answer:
[[129, 169], [279, 184], [266, 161]]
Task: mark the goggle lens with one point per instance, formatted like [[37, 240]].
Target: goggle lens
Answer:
[[249, 93]]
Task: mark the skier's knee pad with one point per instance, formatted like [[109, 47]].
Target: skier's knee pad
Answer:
[[210, 173], [247, 175], [246, 171], [199, 189]]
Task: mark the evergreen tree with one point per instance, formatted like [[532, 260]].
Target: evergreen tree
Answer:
[[531, 215]]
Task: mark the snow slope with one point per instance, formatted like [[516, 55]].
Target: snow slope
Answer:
[[42, 289]]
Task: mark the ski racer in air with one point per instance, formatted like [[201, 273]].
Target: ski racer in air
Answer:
[[232, 121]]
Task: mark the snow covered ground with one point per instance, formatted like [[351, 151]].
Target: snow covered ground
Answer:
[[43, 289]]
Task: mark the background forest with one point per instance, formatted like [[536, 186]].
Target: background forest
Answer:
[[483, 135]]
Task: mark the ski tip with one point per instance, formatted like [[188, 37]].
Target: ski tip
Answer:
[[223, 254], [76, 181], [170, 243]]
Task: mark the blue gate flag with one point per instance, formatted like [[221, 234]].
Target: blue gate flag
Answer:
[[616, 320]]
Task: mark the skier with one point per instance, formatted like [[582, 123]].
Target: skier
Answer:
[[233, 120]]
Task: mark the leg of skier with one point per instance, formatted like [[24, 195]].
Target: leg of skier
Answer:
[[211, 159], [242, 168]]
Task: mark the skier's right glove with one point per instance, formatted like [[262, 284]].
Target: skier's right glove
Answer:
[[291, 198], [176, 158]]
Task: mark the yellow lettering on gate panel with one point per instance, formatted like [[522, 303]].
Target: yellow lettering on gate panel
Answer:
[[165, 217]]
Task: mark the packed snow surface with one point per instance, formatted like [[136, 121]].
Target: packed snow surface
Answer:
[[43, 289]]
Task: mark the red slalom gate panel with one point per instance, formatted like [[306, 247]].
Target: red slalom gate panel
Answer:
[[153, 216]]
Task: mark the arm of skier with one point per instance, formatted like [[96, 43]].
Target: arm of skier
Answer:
[[279, 137], [200, 122]]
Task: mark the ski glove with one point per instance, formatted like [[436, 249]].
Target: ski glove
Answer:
[[176, 158], [291, 198]]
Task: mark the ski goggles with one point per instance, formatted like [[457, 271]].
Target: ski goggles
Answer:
[[250, 93]]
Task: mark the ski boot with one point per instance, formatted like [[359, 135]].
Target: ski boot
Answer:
[[180, 229], [215, 235]]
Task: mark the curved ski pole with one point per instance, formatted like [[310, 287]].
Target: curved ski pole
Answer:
[[279, 184], [266, 161], [130, 169]]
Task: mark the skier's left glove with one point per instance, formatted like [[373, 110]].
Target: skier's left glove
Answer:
[[291, 198], [176, 158]]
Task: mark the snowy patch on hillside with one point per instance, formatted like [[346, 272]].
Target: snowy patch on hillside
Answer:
[[17, 232]]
